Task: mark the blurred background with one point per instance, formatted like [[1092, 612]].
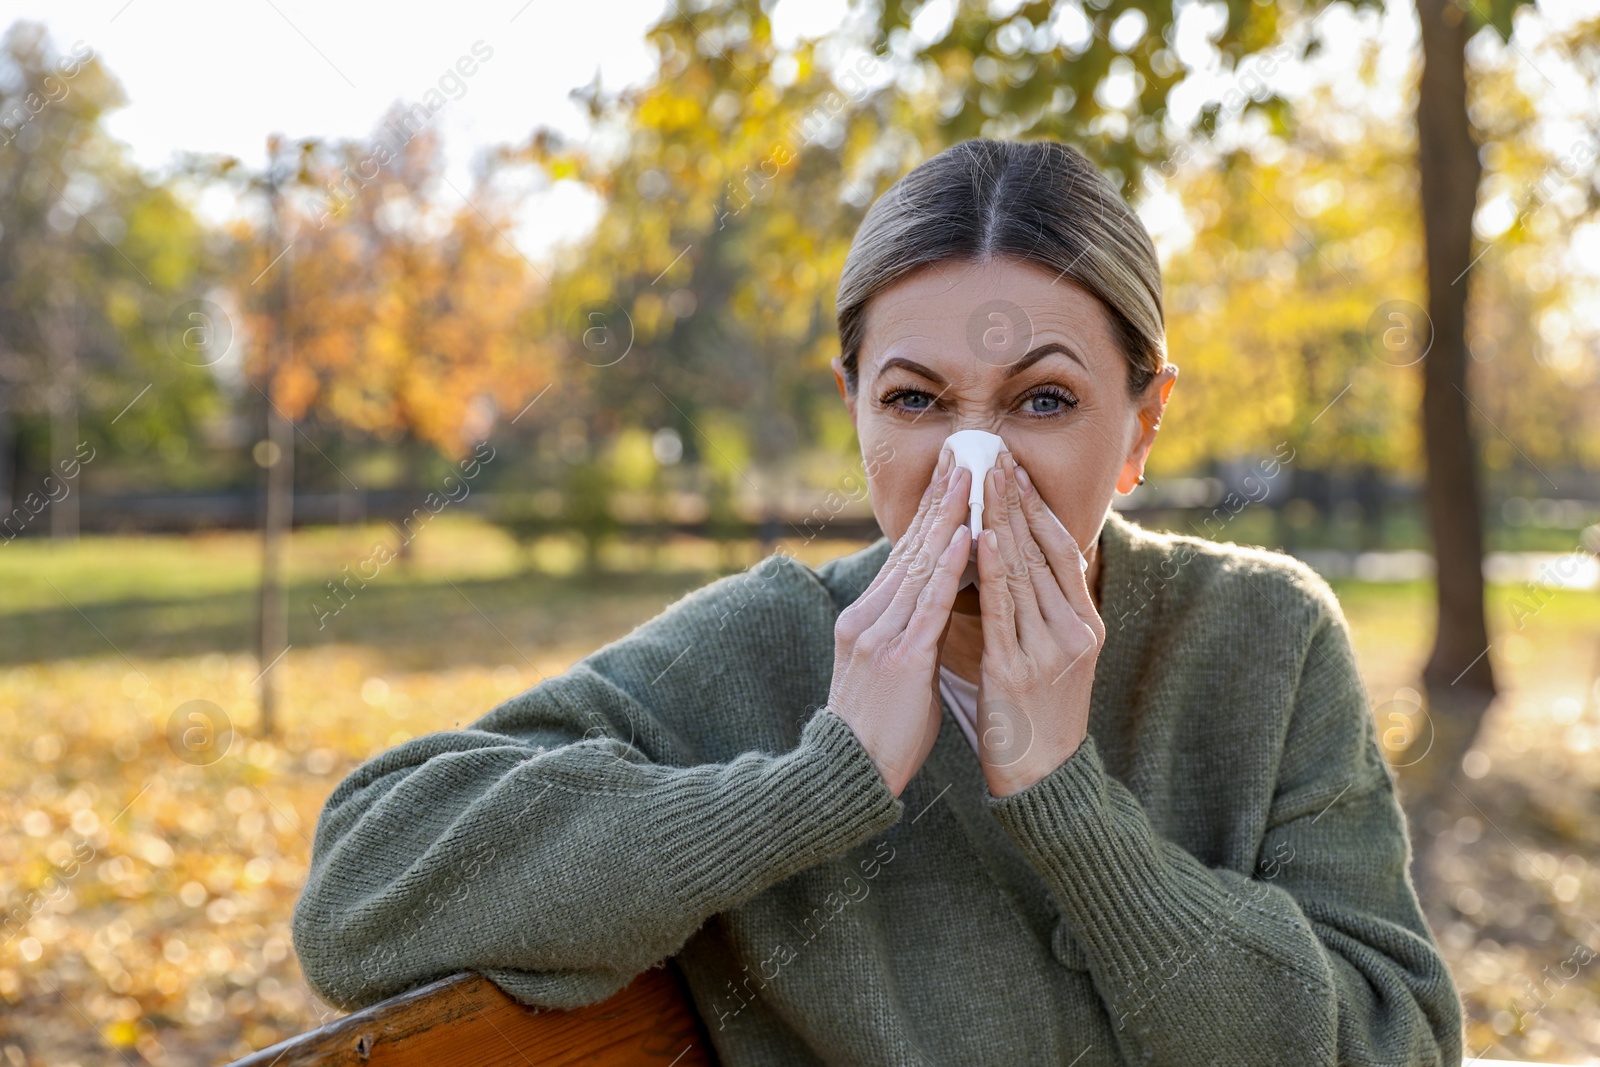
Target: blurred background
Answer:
[[357, 374]]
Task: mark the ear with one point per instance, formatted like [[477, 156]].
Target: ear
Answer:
[[844, 394], [1152, 405]]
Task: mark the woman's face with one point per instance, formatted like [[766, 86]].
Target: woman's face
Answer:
[[999, 346]]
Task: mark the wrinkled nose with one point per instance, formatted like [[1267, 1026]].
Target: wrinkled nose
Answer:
[[983, 422]]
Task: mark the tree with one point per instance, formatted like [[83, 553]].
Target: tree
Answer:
[[438, 344], [373, 308], [267, 314], [441, 348], [1274, 306], [1459, 677], [703, 290], [94, 259]]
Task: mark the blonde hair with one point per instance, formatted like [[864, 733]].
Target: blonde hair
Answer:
[[1038, 201]]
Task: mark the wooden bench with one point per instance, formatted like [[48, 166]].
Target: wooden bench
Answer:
[[467, 1021]]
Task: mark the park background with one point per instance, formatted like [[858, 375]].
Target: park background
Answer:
[[334, 439]]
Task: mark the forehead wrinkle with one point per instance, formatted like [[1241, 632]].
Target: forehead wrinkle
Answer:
[[1059, 312], [917, 348], [914, 343]]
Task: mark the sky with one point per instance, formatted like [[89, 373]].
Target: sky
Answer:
[[219, 77]]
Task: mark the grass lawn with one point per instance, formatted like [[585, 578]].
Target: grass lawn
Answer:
[[147, 899]]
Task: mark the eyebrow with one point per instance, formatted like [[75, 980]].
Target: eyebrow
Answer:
[[1047, 349]]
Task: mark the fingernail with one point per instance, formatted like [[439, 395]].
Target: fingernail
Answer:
[[944, 460], [991, 539], [1024, 481]]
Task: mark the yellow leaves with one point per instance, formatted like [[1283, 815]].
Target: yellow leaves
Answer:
[[956, 65], [633, 459], [1269, 307], [804, 275], [123, 1034], [649, 315], [1279, 410], [122, 308], [400, 317], [668, 112], [726, 447], [161, 892]]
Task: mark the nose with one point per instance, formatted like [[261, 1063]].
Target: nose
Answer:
[[983, 422]]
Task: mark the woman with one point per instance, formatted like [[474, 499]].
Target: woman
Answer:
[[1129, 813]]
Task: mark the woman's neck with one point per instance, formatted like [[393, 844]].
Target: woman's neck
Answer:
[[961, 648]]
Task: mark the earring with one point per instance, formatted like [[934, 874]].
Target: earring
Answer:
[[1140, 481]]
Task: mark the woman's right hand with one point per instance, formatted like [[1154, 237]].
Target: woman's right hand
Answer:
[[886, 643]]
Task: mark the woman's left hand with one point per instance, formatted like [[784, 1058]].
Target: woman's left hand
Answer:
[[1041, 636]]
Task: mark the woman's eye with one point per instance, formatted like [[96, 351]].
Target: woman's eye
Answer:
[[907, 399], [1050, 401]]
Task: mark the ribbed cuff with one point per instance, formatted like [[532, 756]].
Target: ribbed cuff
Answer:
[[1129, 908], [819, 800]]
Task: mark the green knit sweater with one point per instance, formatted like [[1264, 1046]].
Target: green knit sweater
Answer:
[[1219, 874]]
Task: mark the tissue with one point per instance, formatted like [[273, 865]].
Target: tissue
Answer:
[[978, 450]]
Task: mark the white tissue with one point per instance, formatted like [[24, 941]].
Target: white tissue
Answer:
[[976, 450], [979, 450]]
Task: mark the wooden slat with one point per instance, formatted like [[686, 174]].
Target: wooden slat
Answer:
[[467, 1021]]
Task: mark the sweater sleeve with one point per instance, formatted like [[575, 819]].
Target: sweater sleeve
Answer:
[[542, 849], [1321, 958]]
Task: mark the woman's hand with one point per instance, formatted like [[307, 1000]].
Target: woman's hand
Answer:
[[886, 643], [1041, 636]]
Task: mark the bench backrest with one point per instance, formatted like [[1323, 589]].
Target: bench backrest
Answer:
[[467, 1021]]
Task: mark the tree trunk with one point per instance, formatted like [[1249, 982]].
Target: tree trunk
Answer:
[[1458, 679], [8, 462], [60, 333], [63, 445], [410, 491], [278, 480], [1372, 492], [277, 519], [352, 501], [64, 425]]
